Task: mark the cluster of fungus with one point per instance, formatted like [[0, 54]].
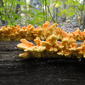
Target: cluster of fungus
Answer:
[[43, 32], [8, 33], [47, 40], [52, 47]]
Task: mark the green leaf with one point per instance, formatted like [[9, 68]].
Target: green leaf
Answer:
[[21, 2], [58, 4]]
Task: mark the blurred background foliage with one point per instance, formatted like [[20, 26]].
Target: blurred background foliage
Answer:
[[36, 12]]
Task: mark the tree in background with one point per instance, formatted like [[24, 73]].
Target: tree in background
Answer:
[[1, 5], [70, 8], [36, 12], [9, 11]]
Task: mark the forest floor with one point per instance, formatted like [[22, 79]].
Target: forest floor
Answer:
[[68, 27]]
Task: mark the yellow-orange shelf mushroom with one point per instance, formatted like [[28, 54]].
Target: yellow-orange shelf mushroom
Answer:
[[43, 32]]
